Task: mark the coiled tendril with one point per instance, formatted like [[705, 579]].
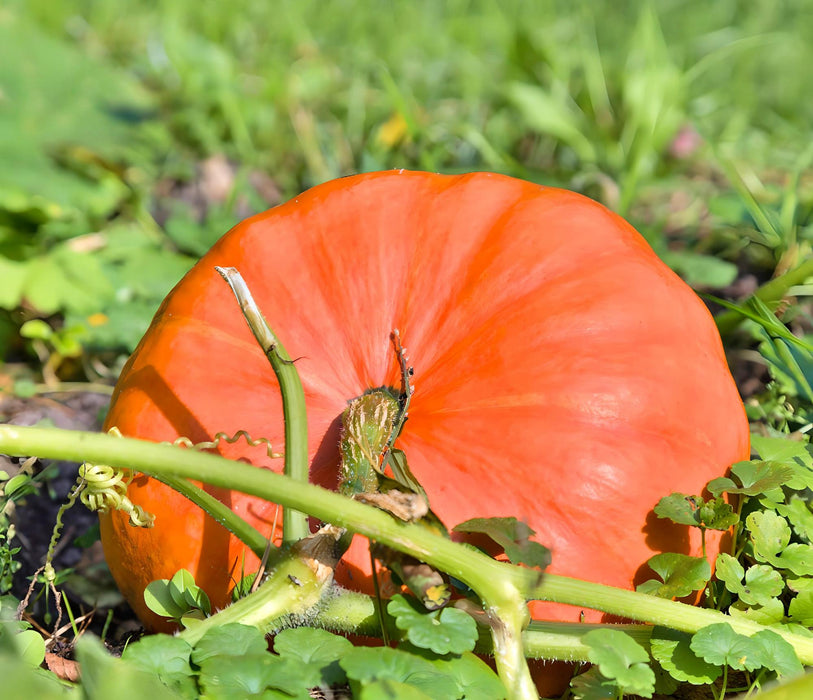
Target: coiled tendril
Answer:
[[104, 488]]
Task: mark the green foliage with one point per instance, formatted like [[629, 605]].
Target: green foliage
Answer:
[[694, 510], [514, 536], [445, 631], [622, 663], [680, 575], [178, 598]]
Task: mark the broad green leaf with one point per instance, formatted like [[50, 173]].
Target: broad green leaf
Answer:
[[680, 508], [159, 599], [513, 536], [700, 270], [445, 631], [316, 650], [800, 609], [720, 645], [761, 582], [716, 514], [392, 690], [777, 654], [591, 685], [797, 511], [167, 658], [185, 591], [24, 681], [475, 678], [254, 675], [771, 612], [365, 665], [232, 639], [61, 98], [672, 650], [30, 646], [104, 676], [680, 575], [753, 478], [770, 536], [621, 659]]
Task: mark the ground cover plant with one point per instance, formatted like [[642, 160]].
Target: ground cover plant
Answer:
[[175, 123]]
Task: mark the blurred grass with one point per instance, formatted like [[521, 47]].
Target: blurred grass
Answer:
[[690, 118]]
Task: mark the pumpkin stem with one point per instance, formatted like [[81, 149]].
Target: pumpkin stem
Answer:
[[294, 523]]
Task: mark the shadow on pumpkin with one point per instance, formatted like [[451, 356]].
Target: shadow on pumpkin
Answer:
[[184, 423]]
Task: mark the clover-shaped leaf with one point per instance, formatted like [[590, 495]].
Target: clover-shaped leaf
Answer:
[[777, 654], [770, 536], [591, 685], [762, 582], [672, 651], [680, 575], [166, 657], [719, 644], [770, 613], [753, 478], [622, 660], [797, 511], [800, 609], [317, 651], [514, 536], [683, 509], [230, 639], [177, 597], [446, 631], [365, 664]]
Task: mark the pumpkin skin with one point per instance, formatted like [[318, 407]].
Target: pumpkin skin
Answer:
[[564, 375]]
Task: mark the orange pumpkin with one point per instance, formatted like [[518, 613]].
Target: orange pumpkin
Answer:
[[564, 375]]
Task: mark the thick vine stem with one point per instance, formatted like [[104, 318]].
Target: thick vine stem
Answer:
[[294, 523], [294, 586], [489, 578]]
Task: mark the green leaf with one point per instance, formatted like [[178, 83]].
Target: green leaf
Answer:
[[797, 511], [770, 536], [754, 478], [800, 609], [392, 690], [591, 685], [167, 658], [621, 659], [318, 652], [364, 665], [513, 536], [719, 644], [231, 639], [99, 107], [445, 631], [185, 591], [680, 508], [106, 677], [672, 650], [475, 678], [30, 646], [761, 582], [777, 654], [680, 574], [24, 681], [717, 515], [699, 270], [792, 453], [232, 677], [769, 613]]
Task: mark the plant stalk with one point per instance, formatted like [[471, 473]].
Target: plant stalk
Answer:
[[294, 523], [496, 583]]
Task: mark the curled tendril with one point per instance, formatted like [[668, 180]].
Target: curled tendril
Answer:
[[231, 439], [103, 488]]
